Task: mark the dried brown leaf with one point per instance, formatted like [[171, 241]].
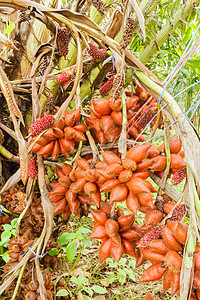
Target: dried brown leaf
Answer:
[[9, 95]]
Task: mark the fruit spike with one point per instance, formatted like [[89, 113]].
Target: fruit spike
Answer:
[[63, 40], [179, 176], [178, 213], [41, 124], [32, 171], [106, 87], [99, 5], [96, 53], [128, 32], [153, 234]]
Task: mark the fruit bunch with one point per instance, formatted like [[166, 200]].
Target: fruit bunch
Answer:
[[62, 137], [117, 232], [105, 120]]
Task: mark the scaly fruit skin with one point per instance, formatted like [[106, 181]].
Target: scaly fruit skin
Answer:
[[41, 124], [154, 272], [32, 171]]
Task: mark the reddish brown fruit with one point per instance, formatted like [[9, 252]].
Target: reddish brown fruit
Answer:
[[83, 199], [139, 152], [153, 217], [125, 221], [196, 280], [59, 189], [117, 252], [107, 123], [197, 261], [116, 239], [111, 227], [175, 282], [158, 246], [66, 212], [114, 169], [99, 216], [117, 117], [71, 196], [106, 207], [78, 173], [175, 145], [180, 232], [153, 273], [137, 185], [173, 260], [79, 136], [65, 180], [140, 259], [125, 175], [129, 164], [80, 127], [153, 256], [64, 151], [101, 165], [143, 175], [131, 235], [167, 207], [83, 163], [109, 185], [67, 144], [146, 199], [35, 148], [43, 141], [170, 240], [101, 106], [96, 198], [110, 158], [90, 188], [158, 163], [100, 136], [104, 250], [153, 151], [177, 162], [56, 150], [69, 133], [79, 185], [131, 102], [115, 105], [58, 133], [98, 232], [74, 206], [54, 197], [129, 247], [144, 164], [47, 149], [119, 193], [132, 202], [91, 175], [167, 280], [60, 205]]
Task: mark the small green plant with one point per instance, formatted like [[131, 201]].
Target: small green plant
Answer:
[[122, 270], [9, 231], [68, 243], [82, 283]]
